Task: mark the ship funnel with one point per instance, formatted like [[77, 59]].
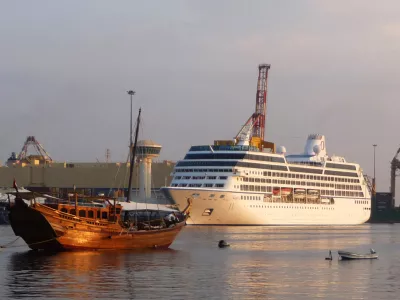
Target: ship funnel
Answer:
[[315, 145]]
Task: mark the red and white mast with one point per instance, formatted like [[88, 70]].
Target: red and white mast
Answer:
[[261, 102]]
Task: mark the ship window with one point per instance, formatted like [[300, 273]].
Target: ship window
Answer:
[[64, 210], [104, 215], [90, 214], [82, 213], [72, 211], [98, 214], [340, 166], [349, 174], [222, 196]]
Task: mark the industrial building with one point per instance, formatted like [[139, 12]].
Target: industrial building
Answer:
[[39, 172]]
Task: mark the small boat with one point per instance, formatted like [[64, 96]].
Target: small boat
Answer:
[[344, 255]]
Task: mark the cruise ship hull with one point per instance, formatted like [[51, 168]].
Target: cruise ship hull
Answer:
[[209, 208]]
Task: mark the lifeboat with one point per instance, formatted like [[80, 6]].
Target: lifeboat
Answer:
[[300, 193], [276, 191], [312, 194], [286, 191]]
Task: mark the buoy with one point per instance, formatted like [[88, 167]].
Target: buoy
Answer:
[[223, 244]]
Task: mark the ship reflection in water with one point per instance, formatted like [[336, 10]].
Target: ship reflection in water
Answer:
[[262, 263]]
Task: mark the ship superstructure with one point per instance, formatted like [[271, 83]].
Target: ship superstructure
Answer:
[[248, 181]]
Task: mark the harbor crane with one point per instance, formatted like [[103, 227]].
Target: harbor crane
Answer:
[[394, 167], [41, 157], [253, 131], [244, 135]]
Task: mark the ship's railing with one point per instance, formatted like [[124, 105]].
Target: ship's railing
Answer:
[[80, 202], [223, 148], [306, 163]]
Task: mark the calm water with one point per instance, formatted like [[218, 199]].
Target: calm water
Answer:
[[262, 263]]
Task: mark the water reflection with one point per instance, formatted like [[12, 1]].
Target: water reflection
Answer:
[[262, 263], [77, 275]]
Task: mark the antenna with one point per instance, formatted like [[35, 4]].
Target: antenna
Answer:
[[108, 155]]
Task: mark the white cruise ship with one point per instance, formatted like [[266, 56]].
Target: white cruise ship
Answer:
[[239, 184]]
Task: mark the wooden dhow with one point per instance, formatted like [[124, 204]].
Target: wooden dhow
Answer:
[[92, 224]]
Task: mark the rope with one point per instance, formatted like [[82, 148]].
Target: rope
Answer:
[[7, 245], [12, 242], [42, 242]]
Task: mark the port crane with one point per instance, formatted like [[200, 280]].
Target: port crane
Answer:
[[245, 133], [42, 156], [394, 167], [253, 131]]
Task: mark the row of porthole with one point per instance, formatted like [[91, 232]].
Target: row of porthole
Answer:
[[296, 207], [361, 201]]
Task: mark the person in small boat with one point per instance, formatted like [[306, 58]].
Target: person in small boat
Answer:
[[170, 219]]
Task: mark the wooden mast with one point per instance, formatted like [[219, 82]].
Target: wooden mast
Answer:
[[133, 154]]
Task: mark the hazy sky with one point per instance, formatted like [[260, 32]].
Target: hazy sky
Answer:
[[65, 67]]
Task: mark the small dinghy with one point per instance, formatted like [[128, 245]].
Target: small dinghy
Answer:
[[344, 255], [223, 244]]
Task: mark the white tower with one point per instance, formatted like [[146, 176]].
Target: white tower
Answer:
[[146, 150]]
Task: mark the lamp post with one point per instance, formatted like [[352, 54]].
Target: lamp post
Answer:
[[374, 181], [131, 158], [131, 93]]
